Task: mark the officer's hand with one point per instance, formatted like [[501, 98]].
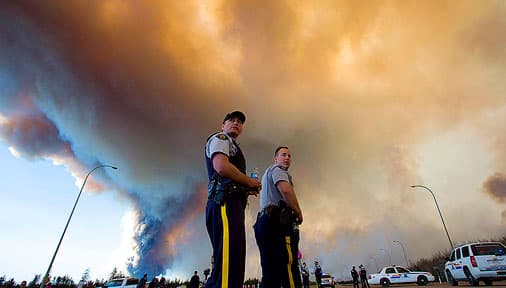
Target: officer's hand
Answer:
[[299, 218], [254, 184]]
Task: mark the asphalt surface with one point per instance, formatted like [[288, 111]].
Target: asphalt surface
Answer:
[[433, 284]]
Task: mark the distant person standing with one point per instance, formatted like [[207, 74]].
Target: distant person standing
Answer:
[[195, 280], [318, 272], [162, 283], [354, 277], [153, 283], [363, 277], [48, 282], [305, 275], [142, 282]]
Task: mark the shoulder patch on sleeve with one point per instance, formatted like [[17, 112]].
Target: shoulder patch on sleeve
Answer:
[[221, 136]]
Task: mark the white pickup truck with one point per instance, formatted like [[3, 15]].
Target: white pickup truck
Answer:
[[397, 275]]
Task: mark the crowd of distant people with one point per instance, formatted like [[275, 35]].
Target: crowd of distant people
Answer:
[[67, 282], [359, 277], [305, 273], [11, 283], [163, 283]]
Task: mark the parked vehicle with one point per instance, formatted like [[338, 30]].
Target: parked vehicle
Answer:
[[474, 262], [397, 275], [126, 282], [328, 281]]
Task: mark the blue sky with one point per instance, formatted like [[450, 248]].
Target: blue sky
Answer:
[[37, 199]]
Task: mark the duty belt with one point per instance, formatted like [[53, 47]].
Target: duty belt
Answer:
[[268, 210]]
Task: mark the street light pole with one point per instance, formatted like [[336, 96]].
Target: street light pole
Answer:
[[68, 221], [440, 215], [375, 263], [388, 254], [403, 252]]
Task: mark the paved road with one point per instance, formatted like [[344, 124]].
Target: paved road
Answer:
[[433, 285]]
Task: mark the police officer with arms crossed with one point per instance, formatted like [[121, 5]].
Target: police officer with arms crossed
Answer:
[[278, 242], [228, 191]]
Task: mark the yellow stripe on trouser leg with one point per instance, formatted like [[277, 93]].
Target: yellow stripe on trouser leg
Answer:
[[224, 256], [290, 260]]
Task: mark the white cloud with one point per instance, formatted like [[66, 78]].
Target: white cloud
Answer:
[[14, 152], [119, 256]]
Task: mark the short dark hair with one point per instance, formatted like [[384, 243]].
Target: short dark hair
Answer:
[[279, 148]]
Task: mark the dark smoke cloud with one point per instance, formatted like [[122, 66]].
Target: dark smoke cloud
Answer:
[[36, 135], [353, 88], [98, 107], [495, 187]]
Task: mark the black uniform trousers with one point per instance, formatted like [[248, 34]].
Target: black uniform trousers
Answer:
[[278, 252], [305, 281], [225, 226], [355, 282], [318, 279], [364, 282]]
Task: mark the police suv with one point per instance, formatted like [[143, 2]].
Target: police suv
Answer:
[[485, 261], [397, 275]]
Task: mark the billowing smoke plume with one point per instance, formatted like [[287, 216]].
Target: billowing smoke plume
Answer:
[[35, 134], [495, 187], [368, 96]]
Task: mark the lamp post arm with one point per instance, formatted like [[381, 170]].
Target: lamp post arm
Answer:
[[375, 262], [405, 257], [68, 221], [438, 210], [442, 220], [403, 252], [388, 254]]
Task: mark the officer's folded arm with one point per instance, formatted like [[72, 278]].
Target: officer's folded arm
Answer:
[[226, 169]]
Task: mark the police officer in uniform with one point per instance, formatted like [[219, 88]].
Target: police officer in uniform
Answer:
[[305, 275], [228, 191], [363, 276], [318, 273], [278, 238], [354, 277]]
